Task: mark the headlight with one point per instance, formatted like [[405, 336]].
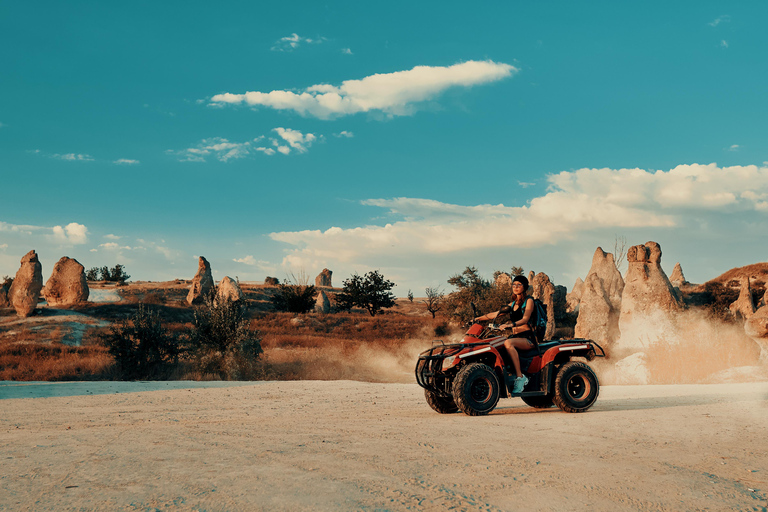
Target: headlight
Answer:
[[449, 362]]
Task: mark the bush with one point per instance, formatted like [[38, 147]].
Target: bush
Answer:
[[222, 342], [474, 289], [141, 346], [370, 292], [294, 298]]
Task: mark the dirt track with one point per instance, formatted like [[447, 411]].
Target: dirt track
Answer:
[[356, 446]]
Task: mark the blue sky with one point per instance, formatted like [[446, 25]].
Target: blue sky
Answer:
[[414, 138]]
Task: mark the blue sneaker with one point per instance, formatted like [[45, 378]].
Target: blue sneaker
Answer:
[[519, 384]]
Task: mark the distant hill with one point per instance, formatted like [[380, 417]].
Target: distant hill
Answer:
[[757, 273]]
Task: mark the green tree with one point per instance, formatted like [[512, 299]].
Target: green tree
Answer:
[[141, 346], [92, 274], [105, 275], [117, 274], [474, 289], [371, 292], [410, 296]]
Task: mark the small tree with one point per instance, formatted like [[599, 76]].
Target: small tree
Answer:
[[118, 274], [434, 300], [619, 251], [92, 274], [370, 292], [105, 275], [6, 282], [141, 346], [410, 296], [222, 342]]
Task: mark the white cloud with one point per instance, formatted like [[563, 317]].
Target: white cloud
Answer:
[[722, 19], [3, 246], [112, 237], [391, 93], [224, 150], [576, 202], [344, 133], [724, 43], [293, 41], [112, 246], [296, 139], [73, 157], [347, 51], [734, 147], [525, 184], [126, 161], [73, 233]]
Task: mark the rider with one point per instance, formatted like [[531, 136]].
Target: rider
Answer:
[[522, 336]]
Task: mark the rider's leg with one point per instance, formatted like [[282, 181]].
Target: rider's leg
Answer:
[[513, 345]]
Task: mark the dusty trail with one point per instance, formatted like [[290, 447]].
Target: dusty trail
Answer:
[[344, 445]]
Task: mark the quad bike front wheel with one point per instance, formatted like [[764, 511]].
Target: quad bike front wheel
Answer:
[[440, 404], [576, 387], [476, 389]]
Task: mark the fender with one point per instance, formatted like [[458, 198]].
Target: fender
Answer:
[[574, 349]]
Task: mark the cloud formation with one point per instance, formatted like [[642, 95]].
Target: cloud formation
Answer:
[[576, 202], [73, 157], [394, 94], [125, 161], [221, 149], [725, 18], [293, 41], [73, 233]]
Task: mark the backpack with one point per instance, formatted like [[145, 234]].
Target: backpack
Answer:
[[538, 320]]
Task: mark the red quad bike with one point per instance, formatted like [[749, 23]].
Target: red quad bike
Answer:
[[472, 375]]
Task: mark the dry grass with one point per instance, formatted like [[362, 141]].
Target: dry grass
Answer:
[[52, 362]]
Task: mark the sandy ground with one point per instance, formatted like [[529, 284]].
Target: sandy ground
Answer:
[[344, 445]]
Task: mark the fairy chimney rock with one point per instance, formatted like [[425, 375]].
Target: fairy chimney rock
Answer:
[[202, 284], [229, 289], [648, 291], [743, 307], [600, 303], [25, 290], [324, 278], [67, 284], [322, 304], [503, 279], [573, 298], [677, 278], [544, 290], [756, 327]]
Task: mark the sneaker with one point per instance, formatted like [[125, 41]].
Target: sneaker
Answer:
[[519, 384]]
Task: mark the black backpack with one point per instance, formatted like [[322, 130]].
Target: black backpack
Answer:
[[538, 320]]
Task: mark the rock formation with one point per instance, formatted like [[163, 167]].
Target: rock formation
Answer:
[[324, 278], [202, 283], [544, 290], [649, 298], [229, 290], [25, 290], [743, 307], [757, 329], [67, 284], [271, 281], [600, 303], [677, 278], [559, 301], [503, 279], [573, 298], [322, 304]]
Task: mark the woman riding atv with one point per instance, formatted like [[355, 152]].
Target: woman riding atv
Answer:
[[522, 337]]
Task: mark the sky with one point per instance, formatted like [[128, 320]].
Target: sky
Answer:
[[413, 138]]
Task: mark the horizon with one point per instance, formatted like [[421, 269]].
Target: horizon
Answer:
[[415, 140]]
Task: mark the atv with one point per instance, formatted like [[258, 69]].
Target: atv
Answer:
[[472, 375]]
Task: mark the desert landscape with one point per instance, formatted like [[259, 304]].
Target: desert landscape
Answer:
[[334, 420]]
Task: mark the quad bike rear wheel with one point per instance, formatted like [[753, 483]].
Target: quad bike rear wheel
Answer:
[[476, 389], [539, 402], [440, 404], [576, 387]]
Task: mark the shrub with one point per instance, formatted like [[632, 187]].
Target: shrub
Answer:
[[222, 342], [141, 346], [370, 292], [294, 298], [92, 274]]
